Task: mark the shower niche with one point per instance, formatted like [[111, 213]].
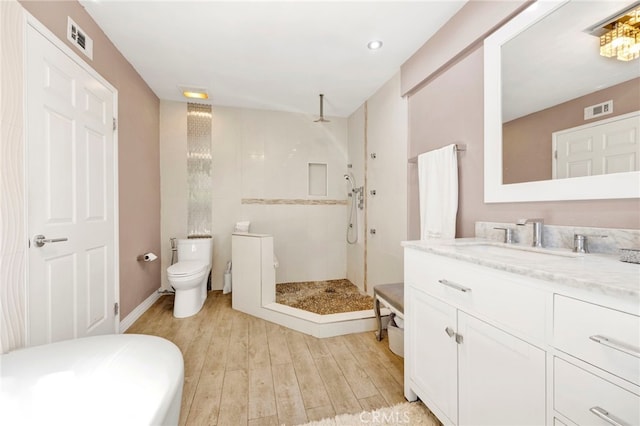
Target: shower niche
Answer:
[[318, 179]]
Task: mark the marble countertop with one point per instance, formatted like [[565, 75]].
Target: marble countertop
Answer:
[[596, 272]]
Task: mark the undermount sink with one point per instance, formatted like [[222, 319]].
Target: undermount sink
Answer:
[[514, 252]]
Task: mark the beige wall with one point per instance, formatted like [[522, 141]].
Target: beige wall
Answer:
[[476, 20], [527, 140], [138, 150], [457, 91]]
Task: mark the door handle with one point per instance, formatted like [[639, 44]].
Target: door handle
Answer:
[[40, 240]]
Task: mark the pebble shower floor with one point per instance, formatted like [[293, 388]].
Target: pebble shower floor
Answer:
[[323, 297]]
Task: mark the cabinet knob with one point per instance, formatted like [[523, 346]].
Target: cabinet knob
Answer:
[[449, 331]]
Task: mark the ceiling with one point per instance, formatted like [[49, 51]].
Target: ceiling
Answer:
[[270, 55], [556, 60]]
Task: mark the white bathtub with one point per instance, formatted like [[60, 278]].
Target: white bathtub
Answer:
[[102, 380]]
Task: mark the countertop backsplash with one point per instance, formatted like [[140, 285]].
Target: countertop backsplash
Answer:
[[599, 240]]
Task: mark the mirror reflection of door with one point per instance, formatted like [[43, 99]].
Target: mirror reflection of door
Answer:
[[553, 71], [607, 146]]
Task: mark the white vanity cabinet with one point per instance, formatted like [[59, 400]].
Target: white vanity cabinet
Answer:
[[459, 358], [488, 345], [596, 370]]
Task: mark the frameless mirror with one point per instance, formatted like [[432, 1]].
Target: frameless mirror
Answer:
[[542, 71]]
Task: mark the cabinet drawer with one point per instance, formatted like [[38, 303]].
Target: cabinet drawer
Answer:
[[490, 294], [578, 393], [603, 337]]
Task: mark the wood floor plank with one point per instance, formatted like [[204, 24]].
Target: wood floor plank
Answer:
[[288, 398], [188, 391], [297, 344], [317, 347], [384, 381], [239, 344], [342, 398], [206, 401], [373, 402], [262, 400], [258, 344], [355, 342], [357, 377], [264, 421], [314, 393], [312, 378], [319, 413], [278, 349], [234, 398]]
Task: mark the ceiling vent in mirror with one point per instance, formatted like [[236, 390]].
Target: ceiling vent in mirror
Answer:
[[594, 111], [79, 38]]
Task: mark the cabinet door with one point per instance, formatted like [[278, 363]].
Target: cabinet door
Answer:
[[501, 378], [434, 358]]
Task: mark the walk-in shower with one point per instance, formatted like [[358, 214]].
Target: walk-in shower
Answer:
[[354, 193]]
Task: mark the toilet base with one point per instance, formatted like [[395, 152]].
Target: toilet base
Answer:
[[188, 302]]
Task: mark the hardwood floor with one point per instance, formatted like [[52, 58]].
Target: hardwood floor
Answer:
[[242, 370]]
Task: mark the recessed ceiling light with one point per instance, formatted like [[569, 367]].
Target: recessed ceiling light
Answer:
[[374, 44], [194, 93]]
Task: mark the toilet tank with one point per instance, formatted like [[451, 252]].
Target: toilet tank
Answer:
[[195, 249]]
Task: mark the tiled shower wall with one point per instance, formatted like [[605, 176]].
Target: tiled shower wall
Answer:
[[262, 157]]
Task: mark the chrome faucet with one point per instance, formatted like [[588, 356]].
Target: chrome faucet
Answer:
[[537, 230]]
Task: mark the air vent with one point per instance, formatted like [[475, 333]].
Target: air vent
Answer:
[[79, 38], [594, 111]]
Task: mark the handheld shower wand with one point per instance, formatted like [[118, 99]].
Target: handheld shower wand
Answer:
[[352, 226]]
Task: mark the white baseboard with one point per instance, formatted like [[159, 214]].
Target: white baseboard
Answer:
[[138, 311]]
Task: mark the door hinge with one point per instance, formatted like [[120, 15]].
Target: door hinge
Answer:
[[116, 308], [115, 123], [555, 154]]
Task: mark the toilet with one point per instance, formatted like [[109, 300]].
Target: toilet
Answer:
[[117, 379], [189, 275]]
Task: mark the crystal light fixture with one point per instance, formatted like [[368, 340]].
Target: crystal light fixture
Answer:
[[622, 37]]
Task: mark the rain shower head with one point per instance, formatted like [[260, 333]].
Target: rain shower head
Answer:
[[321, 119]]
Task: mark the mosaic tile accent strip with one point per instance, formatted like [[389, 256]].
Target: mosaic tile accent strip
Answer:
[[293, 201], [199, 169]]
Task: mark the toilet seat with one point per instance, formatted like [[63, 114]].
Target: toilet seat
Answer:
[[186, 268]]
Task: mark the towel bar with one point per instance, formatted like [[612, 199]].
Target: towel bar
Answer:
[[459, 147]]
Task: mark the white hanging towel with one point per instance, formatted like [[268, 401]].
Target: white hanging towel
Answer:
[[438, 186]]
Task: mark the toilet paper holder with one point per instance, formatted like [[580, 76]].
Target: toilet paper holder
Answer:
[[147, 257]]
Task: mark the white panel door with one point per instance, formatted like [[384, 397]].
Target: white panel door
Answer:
[[71, 197], [433, 360], [610, 146], [501, 379]]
